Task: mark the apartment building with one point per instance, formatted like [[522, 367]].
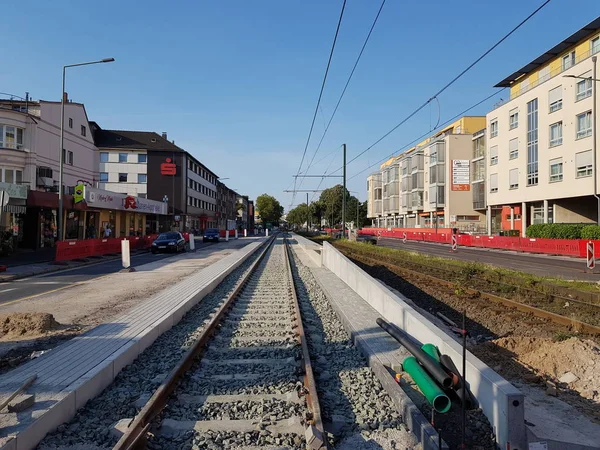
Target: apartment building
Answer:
[[29, 168], [226, 201], [374, 199], [540, 165], [429, 185]]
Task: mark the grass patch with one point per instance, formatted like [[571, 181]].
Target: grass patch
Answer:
[[562, 336], [465, 270]]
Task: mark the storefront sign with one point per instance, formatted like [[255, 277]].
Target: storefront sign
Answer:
[[78, 193], [15, 190], [461, 175], [122, 202], [168, 168]]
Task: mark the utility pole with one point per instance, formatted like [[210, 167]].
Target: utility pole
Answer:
[[344, 197], [307, 213]]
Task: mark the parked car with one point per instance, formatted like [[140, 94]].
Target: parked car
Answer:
[[211, 234], [169, 242]]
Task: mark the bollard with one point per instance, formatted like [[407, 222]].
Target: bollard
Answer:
[[125, 257], [192, 243], [255, 232], [245, 233], [236, 234], [226, 235], [266, 232]]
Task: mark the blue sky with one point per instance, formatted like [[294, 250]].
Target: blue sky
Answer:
[[236, 82]]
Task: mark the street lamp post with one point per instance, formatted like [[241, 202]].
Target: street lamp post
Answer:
[[62, 139], [594, 79]]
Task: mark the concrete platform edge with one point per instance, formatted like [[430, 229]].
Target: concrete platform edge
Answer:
[[102, 375], [414, 419]]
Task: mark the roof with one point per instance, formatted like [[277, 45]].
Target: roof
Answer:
[[148, 140], [552, 53]]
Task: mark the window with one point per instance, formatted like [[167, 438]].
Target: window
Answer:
[[18, 176], [103, 157], [556, 170], [532, 142], [544, 74], [142, 158], [513, 179], [20, 132], [525, 85], [83, 130], [595, 45], [568, 60], [493, 155], [513, 148], [142, 178], [122, 178], [122, 157], [556, 134], [44, 172], [583, 164], [70, 122], [513, 119], [583, 89], [104, 177], [555, 99], [493, 128], [494, 182], [69, 159], [584, 125]]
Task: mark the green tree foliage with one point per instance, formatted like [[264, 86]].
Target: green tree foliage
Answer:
[[269, 208], [331, 206]]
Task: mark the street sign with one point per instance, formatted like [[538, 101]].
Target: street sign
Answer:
[[591, 260], [4, 198]]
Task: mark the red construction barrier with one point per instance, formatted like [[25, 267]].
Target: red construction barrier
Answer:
[[564, 247], [231, 233], [76, 249]]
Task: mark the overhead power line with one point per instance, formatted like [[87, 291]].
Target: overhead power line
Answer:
[[423, 136], [451, 82], [347, 83], [312, 125]]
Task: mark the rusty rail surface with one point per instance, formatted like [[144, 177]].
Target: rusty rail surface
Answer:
[[319, 439], [135, 435], [556, 318]]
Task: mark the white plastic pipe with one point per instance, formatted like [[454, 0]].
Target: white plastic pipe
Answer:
[[226, 235], [245, 233], [125, 256], [192, 243], [236, 234]]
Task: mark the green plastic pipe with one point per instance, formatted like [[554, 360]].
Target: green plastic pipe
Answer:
[[432, 351], [432, 392]]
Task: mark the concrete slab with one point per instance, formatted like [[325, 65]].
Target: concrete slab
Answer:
[[74, 372]]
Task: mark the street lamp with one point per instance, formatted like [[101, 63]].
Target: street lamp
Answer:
[[62, 138], [594, 158]]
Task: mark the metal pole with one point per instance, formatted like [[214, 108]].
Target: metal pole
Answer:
[[344, 197], [436, 207], [594, 59], [61, 158], [357, 206], [307, 213]]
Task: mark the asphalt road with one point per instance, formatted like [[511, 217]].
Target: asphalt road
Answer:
[[542, 265], [35, 286]]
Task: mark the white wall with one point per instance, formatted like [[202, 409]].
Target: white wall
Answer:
[[132, 168]]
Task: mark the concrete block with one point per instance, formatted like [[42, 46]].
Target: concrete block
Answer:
[[11, 444], [124, 356], [21, 403], [61, 412], [147, 337], [119, 428], [165, 323], [92, 383]]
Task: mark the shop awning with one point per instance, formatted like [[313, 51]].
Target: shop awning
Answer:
[[15, 209], [42, 199]]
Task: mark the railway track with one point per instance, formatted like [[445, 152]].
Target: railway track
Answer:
[[247, 381], [543, 300]]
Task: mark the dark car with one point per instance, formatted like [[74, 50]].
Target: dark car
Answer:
[[211, 234], [169, 242]]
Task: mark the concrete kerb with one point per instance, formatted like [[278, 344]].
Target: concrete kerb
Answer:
[[414, 419], [501, 402], [312, 249], [103, 374]]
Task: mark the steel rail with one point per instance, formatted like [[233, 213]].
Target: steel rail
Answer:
[[135, 435], [556, 318], [312, 398]]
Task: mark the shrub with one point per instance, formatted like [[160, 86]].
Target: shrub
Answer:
[[556, 230], [590, 232]]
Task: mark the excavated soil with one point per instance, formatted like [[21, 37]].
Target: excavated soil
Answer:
[[27, 324]]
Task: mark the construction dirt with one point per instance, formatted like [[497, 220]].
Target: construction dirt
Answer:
[[569, 368], [27, 324]]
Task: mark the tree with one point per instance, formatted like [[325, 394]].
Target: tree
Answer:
[[297, 215], [331, 201], [269, 207]]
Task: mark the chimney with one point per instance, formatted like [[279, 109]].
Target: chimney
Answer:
[[164, 135], [65, 97]]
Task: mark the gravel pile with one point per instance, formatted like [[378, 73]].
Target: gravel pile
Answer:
[[350, 395], [91, 426]]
